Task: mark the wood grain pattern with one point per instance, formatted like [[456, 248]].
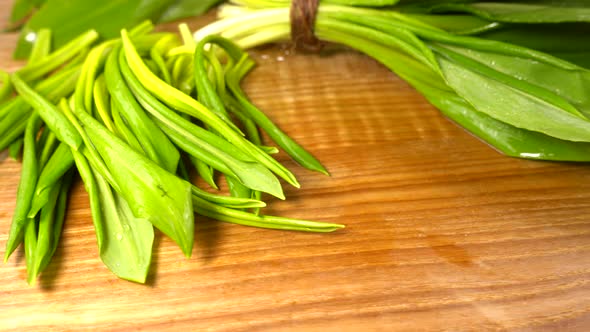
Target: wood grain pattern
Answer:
[[443, 233]]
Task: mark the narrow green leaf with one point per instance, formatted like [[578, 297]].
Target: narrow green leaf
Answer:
[[59, 163], [205, 171], [5, 86], [30, 244], [15, 148], [35, 70], [45, 233], [51, 115], [89, 179], [26, 187], [249, 219], [228, 201], [41, 47], [296, 151]]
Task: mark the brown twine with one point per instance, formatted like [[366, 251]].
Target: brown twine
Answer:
[[303, 14]]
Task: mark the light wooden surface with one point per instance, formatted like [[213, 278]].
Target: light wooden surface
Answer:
[[443, 233]]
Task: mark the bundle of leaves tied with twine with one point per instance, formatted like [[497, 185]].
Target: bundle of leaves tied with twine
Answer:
[[133, 118], [514, 74]]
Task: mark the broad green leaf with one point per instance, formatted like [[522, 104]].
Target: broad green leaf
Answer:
[[20, 10], [573, 87], [124, 242], [251, 174], [14, 114], [91, 186], [152, 193], [126, 247], [516, 107], [68, 19], [187, 8]]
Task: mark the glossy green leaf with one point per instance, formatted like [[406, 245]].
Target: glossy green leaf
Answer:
[[26, 189], [152, 193], [5, 86], [572, 90], [126, 247], [249, 219], [51, 115], [59, 163], [227, 201], [187, 8], [509, 104], [45, 234], [59, 218]]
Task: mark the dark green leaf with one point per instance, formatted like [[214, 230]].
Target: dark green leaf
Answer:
[[524, 12], [186, 8]]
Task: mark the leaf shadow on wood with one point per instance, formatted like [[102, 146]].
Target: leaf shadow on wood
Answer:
[[208, 233], [48, 277], [150, 281]]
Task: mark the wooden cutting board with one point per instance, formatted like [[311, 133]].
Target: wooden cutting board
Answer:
[[443, 232]]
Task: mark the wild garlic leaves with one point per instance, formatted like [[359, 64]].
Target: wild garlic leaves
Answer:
[[126, 115]]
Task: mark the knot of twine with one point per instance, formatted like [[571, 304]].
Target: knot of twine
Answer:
[[303, 14]]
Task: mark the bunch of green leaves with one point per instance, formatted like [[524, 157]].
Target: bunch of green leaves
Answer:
[[127, 114], [524, 102]]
